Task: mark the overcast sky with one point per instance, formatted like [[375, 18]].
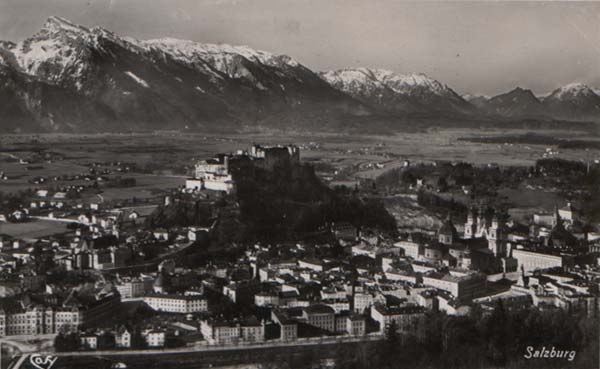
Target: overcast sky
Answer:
[[474, 47]]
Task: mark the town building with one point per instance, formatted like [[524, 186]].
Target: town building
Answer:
[[88, 341], [154, 338], [355, 325], [531, 259], [462, 285], [122, 338], [320, 316], [288, 328], [23, 316], [134, 287], [228, 332], [406, 317], [173, 303]]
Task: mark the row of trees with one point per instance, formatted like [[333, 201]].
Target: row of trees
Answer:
[[493, 340], [10, 202], [577, 180], [496, 340], [448, 176]]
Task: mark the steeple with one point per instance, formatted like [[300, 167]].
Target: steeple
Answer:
[[495, 220], [471, 224], [472, 214], [481, 214], [557, 221], [496, 236], [447, 232]]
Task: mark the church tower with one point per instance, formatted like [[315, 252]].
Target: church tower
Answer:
[[471, 224], [497, 237], [447, 234], [481, 222], [556, 219]]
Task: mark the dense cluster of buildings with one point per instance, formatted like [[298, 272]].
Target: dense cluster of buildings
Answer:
[[35, 314], [357, 283]]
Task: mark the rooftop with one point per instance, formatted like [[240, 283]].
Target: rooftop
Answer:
[[319, 309]]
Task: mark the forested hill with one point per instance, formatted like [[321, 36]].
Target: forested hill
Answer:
[[288, 203]]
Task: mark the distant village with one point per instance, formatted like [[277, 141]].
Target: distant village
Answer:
[[79, 284]]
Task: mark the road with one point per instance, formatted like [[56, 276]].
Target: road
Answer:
[[28, 343], [200, 356]]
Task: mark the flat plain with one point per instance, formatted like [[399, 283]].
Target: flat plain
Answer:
[[435, 144], [161, 161]]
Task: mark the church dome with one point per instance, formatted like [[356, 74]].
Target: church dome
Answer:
[[561, 237], [159, 281], [447, 228]]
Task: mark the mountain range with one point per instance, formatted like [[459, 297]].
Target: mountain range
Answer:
[[397, 93], [575, 102], [71, 78]]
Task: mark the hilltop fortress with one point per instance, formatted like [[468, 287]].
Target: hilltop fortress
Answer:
[[217, 173]]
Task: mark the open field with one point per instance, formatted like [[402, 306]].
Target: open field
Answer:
[[161, 161], [147, 186], [33, 229]]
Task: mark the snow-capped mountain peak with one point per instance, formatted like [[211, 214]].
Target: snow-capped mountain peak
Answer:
[[53, 52], [221, 57], [573, 101], [572, 90], [56, 24], [400, 83], [414, 92], [61, 48], [348, 79], [190, 49], [72, 77], [67, 76], [406, 82]]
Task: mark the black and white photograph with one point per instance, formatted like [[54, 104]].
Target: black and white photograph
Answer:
[[299, 184]]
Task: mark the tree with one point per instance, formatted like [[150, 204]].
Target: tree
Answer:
[[442, 184], [408, 178], [496, 334], [388, 351], [66, 342], [137, 340], [106, 341]]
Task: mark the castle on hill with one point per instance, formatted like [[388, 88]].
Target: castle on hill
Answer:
[[217, 173]]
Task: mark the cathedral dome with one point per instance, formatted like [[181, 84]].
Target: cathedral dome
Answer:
[[447, 228]]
